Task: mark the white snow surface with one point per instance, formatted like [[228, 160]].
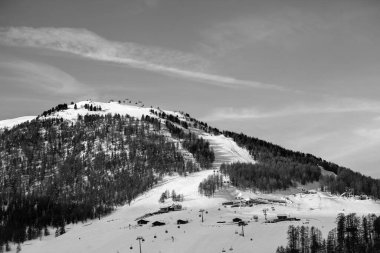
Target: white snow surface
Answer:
[[71, 114], [111, 107], [113, 234], [226, 150], [9, 123]]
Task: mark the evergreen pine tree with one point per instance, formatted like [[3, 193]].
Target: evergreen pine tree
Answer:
[[18, 249], [341, 230], [331, 241], [62, 230], [46, 231], [7, 247], [293, 237], [304, 239]]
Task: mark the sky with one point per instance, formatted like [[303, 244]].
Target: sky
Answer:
[[302, 74]]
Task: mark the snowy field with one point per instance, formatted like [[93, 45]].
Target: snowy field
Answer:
[[113, 233]]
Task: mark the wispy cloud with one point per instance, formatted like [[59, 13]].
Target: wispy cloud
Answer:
[[151, 3], [87, 44], [290, 27], [39, 76], [359, 145], [274, 28], [339, 105], [372, 134]]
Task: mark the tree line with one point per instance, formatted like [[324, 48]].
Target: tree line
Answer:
[[352, 234], [60, 107], [270, 156], [278, 174], [186, 124], [198, 147], [210, 185]]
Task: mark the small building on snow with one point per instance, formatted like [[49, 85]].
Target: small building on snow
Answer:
[[142, 222], [182, 222], [158, 223], [236, 220]]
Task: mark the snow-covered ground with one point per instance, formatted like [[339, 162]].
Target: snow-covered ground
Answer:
[[9, 123], [72, 114], [111, 107], [226, 150], [118, 231], [113, 233]]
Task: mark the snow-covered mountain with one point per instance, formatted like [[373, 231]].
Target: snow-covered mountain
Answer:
[[118, 230]]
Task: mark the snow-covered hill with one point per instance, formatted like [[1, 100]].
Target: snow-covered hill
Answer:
[[118, 231], [111, 107], [9, 123], [72, 114], [113, 234]]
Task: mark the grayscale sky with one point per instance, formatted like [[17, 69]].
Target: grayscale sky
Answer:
[[299, 73]]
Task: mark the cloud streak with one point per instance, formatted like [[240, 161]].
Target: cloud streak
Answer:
[[39, 76], [273, 28], [330, 107], [89, 45]]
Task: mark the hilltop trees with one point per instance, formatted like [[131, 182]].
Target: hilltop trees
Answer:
[[92, 107], [60, 107]]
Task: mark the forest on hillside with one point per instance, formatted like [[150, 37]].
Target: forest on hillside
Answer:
[[281, 168], [352, 234], [55, 172], [279, 174]]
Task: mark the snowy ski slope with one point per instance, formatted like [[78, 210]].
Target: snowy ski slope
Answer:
[[118, 231]]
